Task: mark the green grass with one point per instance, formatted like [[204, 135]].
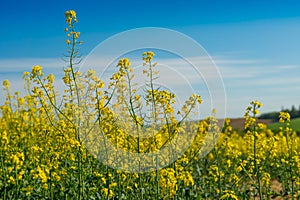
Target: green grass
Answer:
[[295, 125]]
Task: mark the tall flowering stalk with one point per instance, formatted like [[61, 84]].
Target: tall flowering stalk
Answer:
[[285, 118], [72, 55], [251, 125]]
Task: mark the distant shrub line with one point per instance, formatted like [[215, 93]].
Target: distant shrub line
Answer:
[[294, 112]]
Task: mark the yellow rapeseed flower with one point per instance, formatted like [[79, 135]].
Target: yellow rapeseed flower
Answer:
[[284, 117], [147, 56], [36, 71], [229, 194], [70, 14], [6, 83]]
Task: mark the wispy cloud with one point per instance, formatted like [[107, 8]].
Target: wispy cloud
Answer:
[[186, 76], [25, 64]]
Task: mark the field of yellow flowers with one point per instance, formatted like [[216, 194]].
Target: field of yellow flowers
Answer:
[[54, 148]]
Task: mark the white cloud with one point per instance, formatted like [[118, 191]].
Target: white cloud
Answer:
[[180, 76], [287, 67], [25, 64]]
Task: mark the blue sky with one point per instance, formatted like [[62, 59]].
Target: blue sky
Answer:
[[255, 44]]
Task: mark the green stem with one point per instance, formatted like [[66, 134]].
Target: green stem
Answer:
[[290, 151], [157, 179], [152, 92], [77, 129], [257, 170]]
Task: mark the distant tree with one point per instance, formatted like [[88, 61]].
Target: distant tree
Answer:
[[270, 115], [294, 112]]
